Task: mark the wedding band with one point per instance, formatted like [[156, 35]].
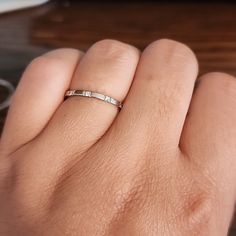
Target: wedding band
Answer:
[[91, 94]]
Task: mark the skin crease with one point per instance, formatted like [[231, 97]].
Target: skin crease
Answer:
[[164, 165]]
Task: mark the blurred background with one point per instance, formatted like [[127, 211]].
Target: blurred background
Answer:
[[208, 27]]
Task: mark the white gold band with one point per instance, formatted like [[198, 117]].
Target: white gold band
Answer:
[[91, 94]]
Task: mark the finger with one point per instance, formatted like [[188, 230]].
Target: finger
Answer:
[[155, 109], [209, 135], [108, 68], [39, 93]]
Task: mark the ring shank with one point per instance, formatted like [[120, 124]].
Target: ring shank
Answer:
[[91, 94]]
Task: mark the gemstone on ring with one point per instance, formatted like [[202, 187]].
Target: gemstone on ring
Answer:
[[91, 94]]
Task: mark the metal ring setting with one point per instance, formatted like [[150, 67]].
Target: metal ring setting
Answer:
[[91, 94]]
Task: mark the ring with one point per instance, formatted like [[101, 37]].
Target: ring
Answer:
[[91, 94]]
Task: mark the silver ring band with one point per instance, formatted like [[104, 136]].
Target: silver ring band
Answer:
[[91, 94]]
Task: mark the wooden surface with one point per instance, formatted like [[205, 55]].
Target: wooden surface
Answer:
[[210, 29]]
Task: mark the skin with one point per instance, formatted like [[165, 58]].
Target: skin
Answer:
[[165, 165]]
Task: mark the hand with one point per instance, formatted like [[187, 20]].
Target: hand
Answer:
[[164, 165]]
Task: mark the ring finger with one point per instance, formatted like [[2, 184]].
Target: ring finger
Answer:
[[107, 68]]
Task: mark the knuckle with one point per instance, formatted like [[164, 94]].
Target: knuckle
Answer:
[[115, 50], [45, 64], [60, 52], [219, 77], [38, 61], [173, 49], [171, 44], [220, 83], [198, 213], [198, 202]]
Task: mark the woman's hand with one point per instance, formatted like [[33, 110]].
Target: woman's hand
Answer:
[[165, 165]]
